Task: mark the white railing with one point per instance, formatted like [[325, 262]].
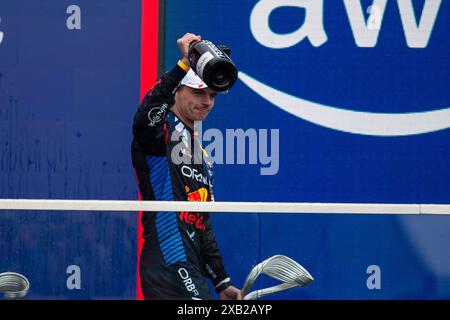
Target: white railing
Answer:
[[237, 207]]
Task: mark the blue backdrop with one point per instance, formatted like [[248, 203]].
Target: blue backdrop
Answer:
[[322, 164]]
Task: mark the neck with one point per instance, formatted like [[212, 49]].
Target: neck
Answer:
[[186, 121]]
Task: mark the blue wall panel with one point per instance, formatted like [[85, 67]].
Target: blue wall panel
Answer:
[[323, 164], [67, 99]]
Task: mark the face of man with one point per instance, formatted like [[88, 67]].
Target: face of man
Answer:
[[193, 104]]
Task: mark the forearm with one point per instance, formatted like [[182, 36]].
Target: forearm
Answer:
[[213, 259]]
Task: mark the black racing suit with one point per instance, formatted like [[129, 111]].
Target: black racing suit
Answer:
[[179, 247]]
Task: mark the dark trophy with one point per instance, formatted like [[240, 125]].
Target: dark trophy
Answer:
[[213, 65]]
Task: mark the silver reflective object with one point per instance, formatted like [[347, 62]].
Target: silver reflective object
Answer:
[[14, 285], [282, 268]]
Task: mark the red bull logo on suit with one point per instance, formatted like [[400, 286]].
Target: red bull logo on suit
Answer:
[[194, 218]]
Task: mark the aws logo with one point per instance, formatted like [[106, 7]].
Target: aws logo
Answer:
[[417, 28]]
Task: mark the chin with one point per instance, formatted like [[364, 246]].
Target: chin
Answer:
[[201, 118]]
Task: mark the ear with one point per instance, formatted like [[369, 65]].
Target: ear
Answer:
[[179, 90]]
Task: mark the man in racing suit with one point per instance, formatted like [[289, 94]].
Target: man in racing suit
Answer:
[[179, 247]]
